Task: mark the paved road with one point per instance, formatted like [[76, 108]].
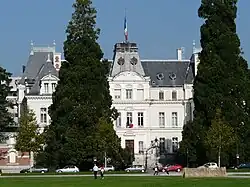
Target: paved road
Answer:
[[230, 174]]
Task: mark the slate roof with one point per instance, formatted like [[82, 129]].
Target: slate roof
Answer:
[[168, 73], [38, 67]]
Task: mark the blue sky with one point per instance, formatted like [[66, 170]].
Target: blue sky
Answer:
[[159, 27]]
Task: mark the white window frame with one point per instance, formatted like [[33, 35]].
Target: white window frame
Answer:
[[174, 119], [43, 115], [53, 85], [161, 119], [175, 144], [129, 119], [46, 87], [161, 95], [119, 120], [117, 93], [140, 117], [129, 93], [174, 95], [141, 147]]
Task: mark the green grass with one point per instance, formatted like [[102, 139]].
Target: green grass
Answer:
[[238, 170], [122, 182]]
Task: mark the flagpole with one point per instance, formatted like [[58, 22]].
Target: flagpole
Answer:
[[125, 27]]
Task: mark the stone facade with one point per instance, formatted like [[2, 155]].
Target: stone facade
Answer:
[[153, 97]]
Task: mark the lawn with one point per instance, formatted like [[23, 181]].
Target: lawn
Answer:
[[122, 182]]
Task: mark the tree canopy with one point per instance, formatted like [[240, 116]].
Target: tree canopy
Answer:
[[82, 96], [222, 74], [6, 118]]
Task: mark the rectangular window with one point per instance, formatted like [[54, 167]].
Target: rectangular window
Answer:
[[162, 146], [161, 119], [43, 115], [174, 119], [161, 95], [129, 120], [140, 119], [175, 144], [117, 93], [140, 94], [46, 87], [129, 144], [129, 93], [53, 87], [119, 120], [174, 95], [141, 151]]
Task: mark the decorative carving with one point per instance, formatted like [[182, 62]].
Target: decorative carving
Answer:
[[121, 61], [160, 76], [133, 61], [172, 76]]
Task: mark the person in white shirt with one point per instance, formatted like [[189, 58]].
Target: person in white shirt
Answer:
[[95, 169]]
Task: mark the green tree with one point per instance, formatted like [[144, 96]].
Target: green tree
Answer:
[[28, 138], [220, 135], [82, 96], [6, 119], [222, 73]]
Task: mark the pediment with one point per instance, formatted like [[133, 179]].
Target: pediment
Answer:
[[49, 77], [128, 76]]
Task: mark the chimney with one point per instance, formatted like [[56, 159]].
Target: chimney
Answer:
[[179, 54], [24, 67]]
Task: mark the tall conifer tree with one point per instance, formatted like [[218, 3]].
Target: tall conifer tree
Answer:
[[222, 73], [6, 119], [82, 96]]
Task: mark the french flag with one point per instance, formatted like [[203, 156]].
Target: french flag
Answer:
[[125, 29]]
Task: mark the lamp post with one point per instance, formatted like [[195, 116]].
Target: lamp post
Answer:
[[187, 157]]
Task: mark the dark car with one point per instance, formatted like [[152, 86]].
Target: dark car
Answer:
[[244, 166], [35, 169]]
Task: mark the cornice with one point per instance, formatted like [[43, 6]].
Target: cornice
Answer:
[[149, 102], [39, 97]]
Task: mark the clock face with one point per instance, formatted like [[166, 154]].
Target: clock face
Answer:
[[133, 61], [121, 61]]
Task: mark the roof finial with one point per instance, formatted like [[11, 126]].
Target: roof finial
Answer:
[[194, 48], [32, 45], [54, 42], [48, 60]]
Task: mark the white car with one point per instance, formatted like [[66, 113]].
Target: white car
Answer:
[[108, 168], [68, 169], [210, 165], [135, 168]]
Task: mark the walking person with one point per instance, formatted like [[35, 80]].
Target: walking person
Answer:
[[156, 170], [95, 170], [102, 172]]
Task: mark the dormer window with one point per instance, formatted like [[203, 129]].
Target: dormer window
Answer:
[[46, 87], [53, 87]]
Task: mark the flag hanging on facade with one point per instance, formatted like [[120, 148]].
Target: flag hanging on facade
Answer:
[[125, 29]]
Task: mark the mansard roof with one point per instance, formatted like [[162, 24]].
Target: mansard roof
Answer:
[[168, 73], [37, 67]]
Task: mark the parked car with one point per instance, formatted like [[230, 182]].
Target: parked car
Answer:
[[243, 166], [138, 168], [35, 169], [68, 169], [175, 167], [108, 168], [210, 165]]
